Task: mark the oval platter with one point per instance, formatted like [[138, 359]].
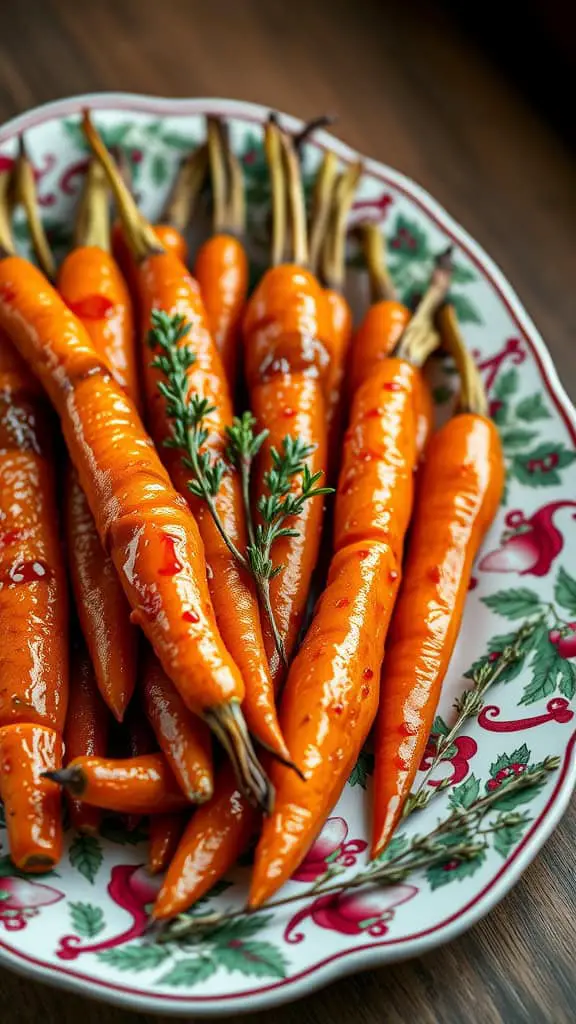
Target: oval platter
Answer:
[[82, 926]]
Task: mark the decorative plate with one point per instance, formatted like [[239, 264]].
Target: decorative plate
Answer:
[[80, 927]]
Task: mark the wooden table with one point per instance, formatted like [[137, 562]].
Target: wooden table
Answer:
[[408, 90]]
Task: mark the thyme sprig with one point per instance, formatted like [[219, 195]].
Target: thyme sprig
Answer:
[[461, 836], [289, 484], [469, 705]]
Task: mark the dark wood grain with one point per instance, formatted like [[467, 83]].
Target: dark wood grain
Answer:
[[409, 90]]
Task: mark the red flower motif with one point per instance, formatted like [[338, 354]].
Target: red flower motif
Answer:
[[21, 899], [352, 913], [528, 546], [329, 848]]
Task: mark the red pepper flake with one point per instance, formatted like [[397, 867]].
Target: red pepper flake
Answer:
[[171, 566], [92, 307], [190, 616], [342, 602], [392, 385], [368, 673]]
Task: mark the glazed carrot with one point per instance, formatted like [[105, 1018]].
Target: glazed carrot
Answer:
[[221, 265], [183, 738], [131, 785], [214, 838], [331, 694], [146, 527], [287, 338], [32, 803], [165, 833], [85, 733], [93, 288], [33, 609], [165, 284], [459, 491]]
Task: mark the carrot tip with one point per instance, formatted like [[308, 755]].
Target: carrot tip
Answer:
[[228, 725], [71, 778]]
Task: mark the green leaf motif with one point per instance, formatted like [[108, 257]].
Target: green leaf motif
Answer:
[[177, 141], [240, 929], [506, 384], [508, 836], [442, 874], [189, 972], [259, 959], [567, 681], [532, 408], [496, 645], [565, 591], [516, 603], [517, 437], [540, 467], [466, 311], [141, 957], [408, 240], [509, 801], [86, 856], [519, 756], [361, 771], [87, 920], [439, 727], [466, 793], [158, 169], [546, 667], [461, 274]]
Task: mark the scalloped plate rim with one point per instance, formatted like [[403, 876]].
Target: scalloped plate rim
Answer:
[[361, 958]]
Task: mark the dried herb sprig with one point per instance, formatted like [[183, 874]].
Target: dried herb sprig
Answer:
[[469, 705], [467, 840], [187, 415]]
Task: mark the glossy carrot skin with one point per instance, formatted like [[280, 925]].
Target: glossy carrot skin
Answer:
[[169, 238], [221, 269], [164, 284], [341, 336], [86, 732], [32, 803], [101, 605], [183, 738], [458, 495], [376, 338], [331, 694], [165, 834], [287, 336], [214, 838], [146, 527], [92, 286], [33, 591], [131, 785]]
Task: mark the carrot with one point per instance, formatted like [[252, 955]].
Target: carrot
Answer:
[[85, 733], [146, 527], [459, 491], [164, 284], [33, 609], [137, 739], [215, 836], [287, 337], [182, 737], [131, 785], [93, 288], [165, 833], [32, 804], [221, 265], [331, 694]]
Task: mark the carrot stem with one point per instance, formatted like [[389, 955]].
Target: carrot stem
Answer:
[[374, 247], [321, 200], [273, 150], [6, 239], [181, 202], [93, 220], [26, 194], [227, 723], [334, 252], [420, 337], [472, 394], [296, 200], [218, 175]]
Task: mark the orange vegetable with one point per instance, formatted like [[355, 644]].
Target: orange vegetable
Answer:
[[459, 491], [32, 804], [165, 284], [183, 738], [331, 694], [146, 527], [138, 739], [215, 836], [287, 338], [165, 833], [221, 265], [130, 785], [92, 286], [86, 732]]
